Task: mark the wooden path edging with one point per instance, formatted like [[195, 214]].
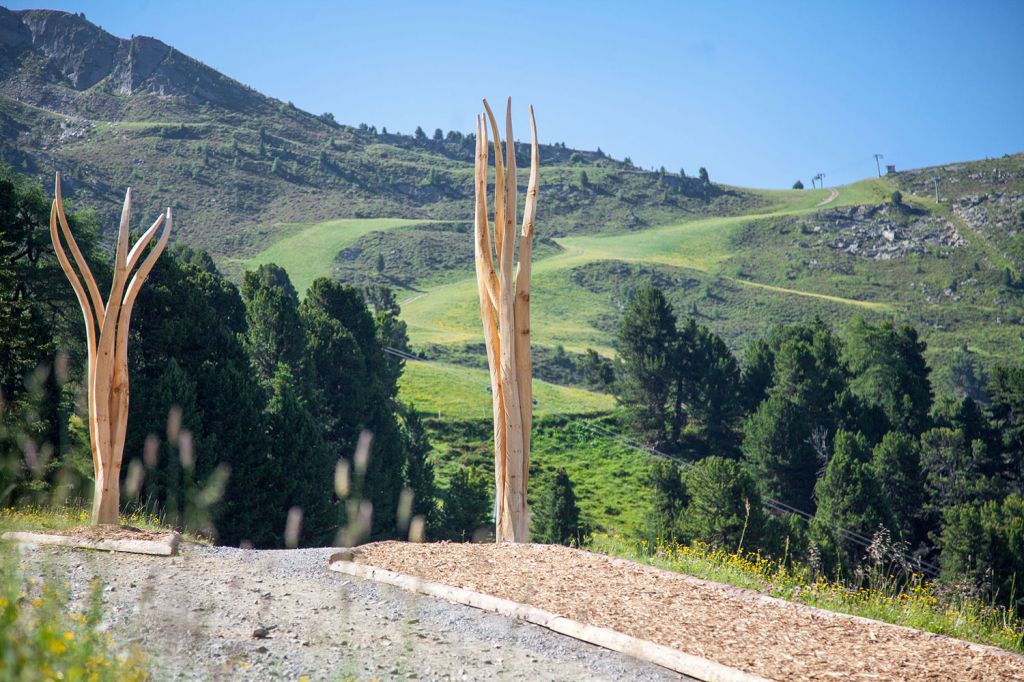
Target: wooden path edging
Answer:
[[165, 547], [666, 657]]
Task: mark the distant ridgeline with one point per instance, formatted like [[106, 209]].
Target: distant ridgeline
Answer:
[[111, 112]]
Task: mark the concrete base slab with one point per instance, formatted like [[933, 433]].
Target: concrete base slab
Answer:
[[165, 546]]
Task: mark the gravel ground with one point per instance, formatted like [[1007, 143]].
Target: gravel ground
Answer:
[[195, 617]]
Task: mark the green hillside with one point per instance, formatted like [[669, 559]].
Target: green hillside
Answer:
[[793, 259], [254, 180]]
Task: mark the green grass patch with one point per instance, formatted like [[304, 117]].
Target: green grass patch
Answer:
[[461, 393], [64, 517], [308, 251], [610, 479]]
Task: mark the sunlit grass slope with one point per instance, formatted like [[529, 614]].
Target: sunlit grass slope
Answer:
[[309, 250], [461, 393]]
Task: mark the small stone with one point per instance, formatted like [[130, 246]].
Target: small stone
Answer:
[[262, 632]]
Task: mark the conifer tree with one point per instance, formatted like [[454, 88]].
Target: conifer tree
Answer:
[[724, 506], [419, 472], [467, 506], [778, 444], [897, 464], [645, 345], [668, 499], [555, 515], [849, 499]]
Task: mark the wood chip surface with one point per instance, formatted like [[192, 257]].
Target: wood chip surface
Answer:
[[735, 627]]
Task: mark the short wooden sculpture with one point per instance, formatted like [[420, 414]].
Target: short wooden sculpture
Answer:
[[106, 338], [505, 309]]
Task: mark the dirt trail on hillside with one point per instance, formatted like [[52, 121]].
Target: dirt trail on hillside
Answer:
[[194, 616], [832, 195], [738, 628]]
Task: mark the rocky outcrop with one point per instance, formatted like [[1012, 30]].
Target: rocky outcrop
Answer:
[[992, 211], [81, 51], [86, 56], [882, 232]]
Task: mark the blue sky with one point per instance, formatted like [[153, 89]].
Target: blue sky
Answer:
[[761, 93]]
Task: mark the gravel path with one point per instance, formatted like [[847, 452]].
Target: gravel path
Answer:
[[195, 615], [738, 628]]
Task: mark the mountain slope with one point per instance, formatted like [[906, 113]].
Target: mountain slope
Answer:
[[112, 112]]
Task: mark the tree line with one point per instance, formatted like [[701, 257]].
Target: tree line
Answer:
[[244, 401], [841, 425]]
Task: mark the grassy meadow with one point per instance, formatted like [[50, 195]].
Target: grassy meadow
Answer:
[[737, 273]]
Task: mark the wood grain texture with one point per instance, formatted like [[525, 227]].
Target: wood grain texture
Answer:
[[503, 289], [106, 330]]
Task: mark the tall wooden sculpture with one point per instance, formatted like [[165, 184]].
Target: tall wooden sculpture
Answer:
[[505, 309], [106, 338]]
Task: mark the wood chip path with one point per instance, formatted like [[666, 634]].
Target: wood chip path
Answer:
[[739, 628]]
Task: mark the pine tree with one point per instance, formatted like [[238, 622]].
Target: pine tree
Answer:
[[555, 515], [355, 388], [419, 472], [716, 402], [467, 506], [668, 499], [777, 443], [984, 544], [757, 373], [889, 369], [724, 508], [645, 344], [1007, 389], [849, 499], [897, 464], [957, 470], [274, 334], [301, 468]]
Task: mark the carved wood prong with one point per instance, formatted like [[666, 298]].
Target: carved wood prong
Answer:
[[499, 191], [483, 233], [123, 327], [487, 290], [87, 314], [524, 361], [140, 246], [511, 188], [76, 253]]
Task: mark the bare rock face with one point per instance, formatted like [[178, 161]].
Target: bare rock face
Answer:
[[15, 39], [84, 55], [883, 232], [995, 211]]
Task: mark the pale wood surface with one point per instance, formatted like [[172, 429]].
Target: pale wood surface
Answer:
[[504, 292], [106, 327]]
